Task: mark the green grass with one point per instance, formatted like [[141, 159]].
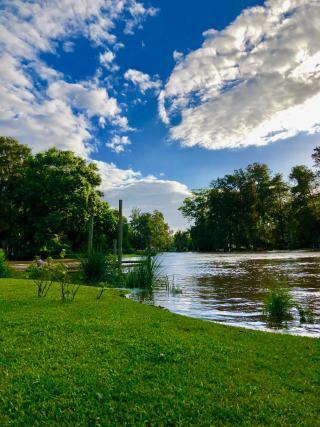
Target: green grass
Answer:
[[114, 362]]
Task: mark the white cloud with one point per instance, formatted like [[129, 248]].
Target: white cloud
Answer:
[[107, 60], [118, 143], [68, 46], [107, 57], [138, 13], [177, 56], [256, 82], [87, 97], [57, 112], [147, 193], [142, 80]]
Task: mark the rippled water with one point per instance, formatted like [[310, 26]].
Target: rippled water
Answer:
[[230, 288]]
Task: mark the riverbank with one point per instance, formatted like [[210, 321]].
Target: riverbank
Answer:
[[116, 362]]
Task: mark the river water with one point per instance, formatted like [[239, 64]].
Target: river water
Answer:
[[231, 288]]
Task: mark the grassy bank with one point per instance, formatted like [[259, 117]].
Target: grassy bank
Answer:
[[114, 362]]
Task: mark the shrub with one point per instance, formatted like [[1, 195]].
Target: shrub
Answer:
[[61, 275], [113, 275], [278, 303], [42, 276], [94, 267], [98, 268], [4, 269], [145, 274]]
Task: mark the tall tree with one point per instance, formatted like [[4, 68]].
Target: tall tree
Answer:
[[59, 195], [149, 231], [305, 208], [13, 158]]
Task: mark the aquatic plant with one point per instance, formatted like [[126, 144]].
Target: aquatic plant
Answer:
[[145, 274], [171, 287], [278, 303]]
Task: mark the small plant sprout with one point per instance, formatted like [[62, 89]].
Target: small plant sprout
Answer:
[[102, 289]]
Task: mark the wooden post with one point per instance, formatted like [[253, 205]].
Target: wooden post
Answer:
[[120, 234], [90, 237]]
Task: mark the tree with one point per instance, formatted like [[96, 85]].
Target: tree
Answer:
[[149, 231], [316, 158], [13, 158], [182, 241], [59, 195], [243, 210], [305, 208]]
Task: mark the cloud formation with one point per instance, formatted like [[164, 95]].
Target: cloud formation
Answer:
[[37, 104], [118, 143], [147, 193], [142, 80], [255, 82]]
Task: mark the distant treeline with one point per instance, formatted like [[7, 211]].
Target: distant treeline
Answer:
[[47, 200], [253, 209]]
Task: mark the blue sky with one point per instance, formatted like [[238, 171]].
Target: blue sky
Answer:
[[164, 95]]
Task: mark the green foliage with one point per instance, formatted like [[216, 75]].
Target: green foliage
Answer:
[[98, 267], [278, 303], [113, 274], [145, 274], [94, 267], [149, 231], [252, 209], [4, 268], [182, 241], [13, 158], [114, 362]]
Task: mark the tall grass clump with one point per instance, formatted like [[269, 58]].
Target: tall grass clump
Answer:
[[145, 274], [4, 268], [94, 267], [278, 303], [101, 268]]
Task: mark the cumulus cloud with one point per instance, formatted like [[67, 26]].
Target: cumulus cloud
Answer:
[[37, 104], [107, 57], [118, 143], [147, 193], [142, 80], [138, 13], [255, 82]]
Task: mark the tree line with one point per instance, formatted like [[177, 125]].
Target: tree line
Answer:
[[253, 209], [47, 200]]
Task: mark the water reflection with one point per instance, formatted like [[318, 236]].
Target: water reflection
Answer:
[[230, 289]]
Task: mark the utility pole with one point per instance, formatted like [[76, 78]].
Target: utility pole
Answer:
[[120, 234]]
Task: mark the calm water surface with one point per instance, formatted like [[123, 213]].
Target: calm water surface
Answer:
[[230, 288]]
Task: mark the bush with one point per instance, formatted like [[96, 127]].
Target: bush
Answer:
[[98, 268], [42, 276], [278, 303], [4, 269], [145, 274], [113, 276], [94, 267], [61, 275]]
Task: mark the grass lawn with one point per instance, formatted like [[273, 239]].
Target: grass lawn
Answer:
[[114, 362]]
